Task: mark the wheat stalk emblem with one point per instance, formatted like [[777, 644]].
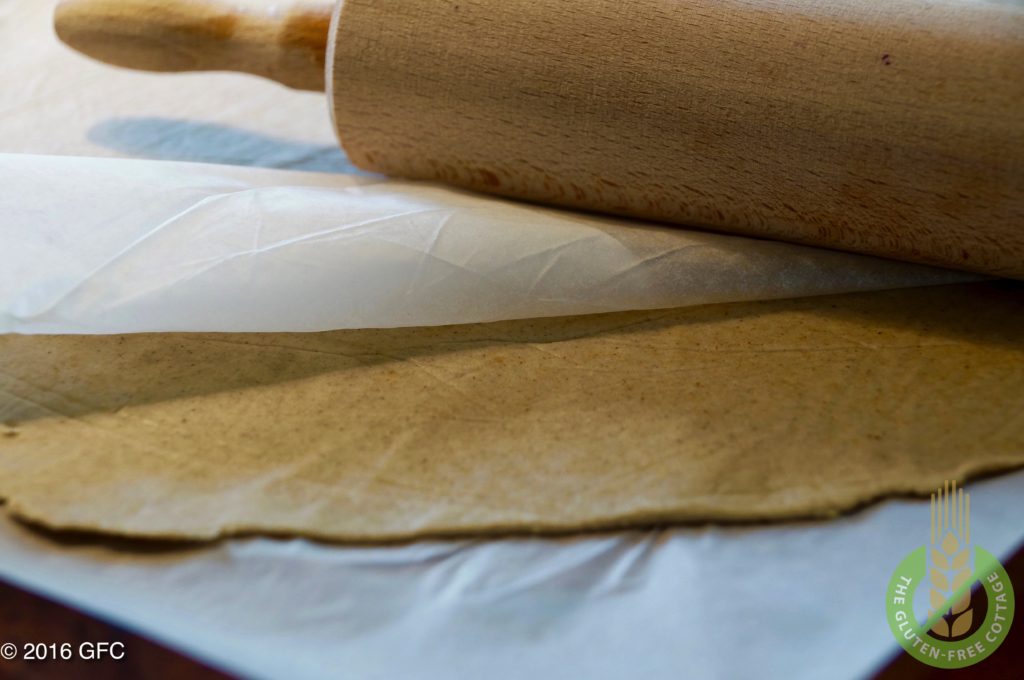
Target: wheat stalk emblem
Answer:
[[951, 564]]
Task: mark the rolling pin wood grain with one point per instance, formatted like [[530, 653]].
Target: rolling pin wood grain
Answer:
[[895, 129]]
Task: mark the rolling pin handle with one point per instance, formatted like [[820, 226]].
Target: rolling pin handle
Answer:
[[288, 46]]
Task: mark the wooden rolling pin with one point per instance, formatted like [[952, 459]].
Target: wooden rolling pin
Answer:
[[895, 129]]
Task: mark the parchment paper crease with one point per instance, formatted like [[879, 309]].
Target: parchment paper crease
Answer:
[[115, 246]]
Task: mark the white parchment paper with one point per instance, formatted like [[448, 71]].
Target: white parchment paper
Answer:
[[798, 601], [95, 245]]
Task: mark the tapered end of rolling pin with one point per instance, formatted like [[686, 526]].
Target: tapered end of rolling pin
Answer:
[[286, 44]]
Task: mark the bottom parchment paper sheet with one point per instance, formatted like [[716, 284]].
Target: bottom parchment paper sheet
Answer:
[[800, 601]]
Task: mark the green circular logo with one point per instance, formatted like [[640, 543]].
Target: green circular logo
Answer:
[[950, 606]]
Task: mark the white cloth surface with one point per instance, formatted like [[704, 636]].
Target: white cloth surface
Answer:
[[796, 601]]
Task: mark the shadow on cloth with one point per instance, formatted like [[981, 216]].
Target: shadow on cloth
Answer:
[[171, 139]]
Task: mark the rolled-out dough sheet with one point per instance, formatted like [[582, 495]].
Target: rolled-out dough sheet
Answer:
[[726, 412]]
